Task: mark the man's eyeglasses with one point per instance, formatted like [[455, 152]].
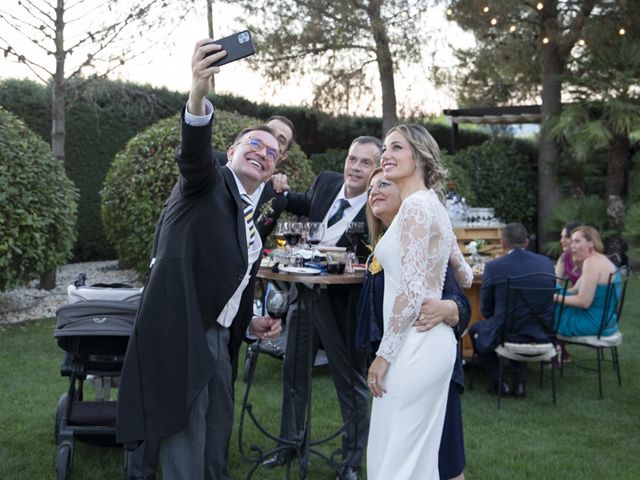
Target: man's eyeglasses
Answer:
[[255, 144], [380, 185]]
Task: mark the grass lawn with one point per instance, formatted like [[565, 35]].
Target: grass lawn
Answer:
[[581, 437]]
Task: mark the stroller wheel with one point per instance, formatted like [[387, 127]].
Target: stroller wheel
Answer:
[[62, 407], [63, 461]]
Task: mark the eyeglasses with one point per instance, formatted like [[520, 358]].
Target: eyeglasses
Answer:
[[381, 185], [255, 144]]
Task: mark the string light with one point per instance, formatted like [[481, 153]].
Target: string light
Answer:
[[449, 12], [545, 40], [581, 42], [622, 31], [485, 9], [539, 6], [494, 21]]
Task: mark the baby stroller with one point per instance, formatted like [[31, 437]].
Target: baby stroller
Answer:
[[94, 333]]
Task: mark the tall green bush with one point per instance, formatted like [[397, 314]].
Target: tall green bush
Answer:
[[589, 210], [631, 232], [37, 205], [501, 177], [142, 175]]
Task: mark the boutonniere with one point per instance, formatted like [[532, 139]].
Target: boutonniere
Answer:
[[266, 209], [374, 265]]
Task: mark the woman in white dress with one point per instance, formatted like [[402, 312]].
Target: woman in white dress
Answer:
[[410, 375]]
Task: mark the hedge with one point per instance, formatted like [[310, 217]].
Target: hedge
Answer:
[[37, 205]]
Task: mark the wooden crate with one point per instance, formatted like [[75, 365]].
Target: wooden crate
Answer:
[[490, 235]]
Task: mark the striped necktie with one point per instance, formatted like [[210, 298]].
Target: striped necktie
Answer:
[[343, 204], [248, 218]]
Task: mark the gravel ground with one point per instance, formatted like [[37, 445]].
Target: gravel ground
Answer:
[[29, 303]]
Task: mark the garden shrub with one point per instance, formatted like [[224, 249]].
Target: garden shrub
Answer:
[[631, 231], [37, 205], [589, 210], [333, 160], [500, 177], [142, 175]]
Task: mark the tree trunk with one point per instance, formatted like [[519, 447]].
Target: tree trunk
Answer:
[[58, 87], [615, 186], [552, 67], [385, 66]]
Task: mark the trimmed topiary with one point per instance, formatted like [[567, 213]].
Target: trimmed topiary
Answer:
[[38, 205], [141, 178]]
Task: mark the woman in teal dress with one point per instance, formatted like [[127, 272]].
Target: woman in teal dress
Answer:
[[584, 303]]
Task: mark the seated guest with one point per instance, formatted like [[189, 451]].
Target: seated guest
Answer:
[[566, 266], [382, 206], [585, 302], [486, 334]]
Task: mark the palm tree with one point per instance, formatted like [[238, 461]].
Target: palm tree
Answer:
[[606, 110]]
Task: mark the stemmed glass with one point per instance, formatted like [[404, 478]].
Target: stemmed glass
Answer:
[[353, 232], [293, 234], [277, 304], [281, 228], [315, 232]]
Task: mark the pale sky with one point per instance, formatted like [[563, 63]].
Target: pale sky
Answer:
[[169, 66]]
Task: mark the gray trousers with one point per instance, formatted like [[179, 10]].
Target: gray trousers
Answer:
[[311, 318], [198, 451]]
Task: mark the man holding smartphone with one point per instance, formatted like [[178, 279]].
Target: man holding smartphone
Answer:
[[176, 381]]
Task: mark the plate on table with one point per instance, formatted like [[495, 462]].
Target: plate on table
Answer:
[[300, 270], [328, 248]]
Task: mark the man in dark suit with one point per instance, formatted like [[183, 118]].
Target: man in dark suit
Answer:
[[335, 200], [176, 378], [487, 334]]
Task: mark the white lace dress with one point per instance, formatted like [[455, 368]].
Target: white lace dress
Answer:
[[406, 423]]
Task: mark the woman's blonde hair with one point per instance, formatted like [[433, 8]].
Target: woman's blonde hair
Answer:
[[591, 235], [375, 225], [425, 152]]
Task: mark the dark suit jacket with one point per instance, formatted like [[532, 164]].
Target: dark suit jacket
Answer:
[[317, 200], [201, 258], [493, 297]]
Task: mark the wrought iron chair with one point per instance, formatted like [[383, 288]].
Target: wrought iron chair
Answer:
[[529, 311], [614, 301]]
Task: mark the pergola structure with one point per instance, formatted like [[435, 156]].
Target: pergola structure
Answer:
[[491, 115]]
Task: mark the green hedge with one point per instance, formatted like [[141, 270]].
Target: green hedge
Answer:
[[500, 176], [37, 205], [141, 178]]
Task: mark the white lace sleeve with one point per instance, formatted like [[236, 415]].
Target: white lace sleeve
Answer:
[[425, 245], [462, 270]]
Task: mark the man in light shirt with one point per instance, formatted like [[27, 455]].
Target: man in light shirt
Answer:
[[176, 378], [336, 200]]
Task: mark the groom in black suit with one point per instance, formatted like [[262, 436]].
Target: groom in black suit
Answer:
[[176, 378], [335, 200]]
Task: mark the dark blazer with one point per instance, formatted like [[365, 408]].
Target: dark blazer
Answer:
[[201, 258], [488, 332], [317, 200]]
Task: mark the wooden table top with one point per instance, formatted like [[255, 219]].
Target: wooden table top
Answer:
[[320, 279]]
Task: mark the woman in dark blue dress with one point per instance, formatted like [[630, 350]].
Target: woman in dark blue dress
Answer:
[[453, 309]]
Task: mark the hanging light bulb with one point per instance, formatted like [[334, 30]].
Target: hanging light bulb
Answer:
[[512, 28], [449, 12], [539, 6], [622, 31], [545, 40], [494, 21], [485, 9], [581, 42]]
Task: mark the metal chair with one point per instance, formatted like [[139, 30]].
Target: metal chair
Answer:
[[612, 313], [529, 308]]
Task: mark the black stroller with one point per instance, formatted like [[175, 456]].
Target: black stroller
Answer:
[[94, 334]]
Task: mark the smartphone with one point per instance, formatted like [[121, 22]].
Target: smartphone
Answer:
[[239, 45]]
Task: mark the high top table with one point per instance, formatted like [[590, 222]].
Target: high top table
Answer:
[[303, 445]]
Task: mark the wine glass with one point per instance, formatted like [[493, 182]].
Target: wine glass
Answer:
[[293, 234], [281, 228], [277, 304], [353, 232], [315, 232]]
